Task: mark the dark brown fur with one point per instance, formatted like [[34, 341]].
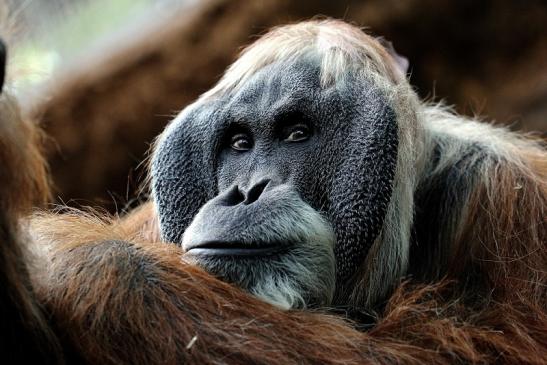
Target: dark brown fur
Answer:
[[26, 334]]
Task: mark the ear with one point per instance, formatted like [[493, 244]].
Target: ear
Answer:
[[2, 64], [401, 62]]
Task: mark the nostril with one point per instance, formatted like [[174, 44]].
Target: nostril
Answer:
[[255, 191], [233, 196]]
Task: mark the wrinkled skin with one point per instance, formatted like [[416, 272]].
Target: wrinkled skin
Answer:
[[270, 207]]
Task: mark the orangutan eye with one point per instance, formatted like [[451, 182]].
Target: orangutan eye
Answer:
[[241, 142], [297, 133]]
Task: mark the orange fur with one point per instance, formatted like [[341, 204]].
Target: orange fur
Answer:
[[129, 302]]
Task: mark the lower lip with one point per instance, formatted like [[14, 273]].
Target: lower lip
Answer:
[[240, 252]]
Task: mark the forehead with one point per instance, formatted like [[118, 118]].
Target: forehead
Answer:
[[276, 85], [284, 87]]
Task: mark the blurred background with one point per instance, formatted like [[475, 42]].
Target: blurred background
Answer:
[[104, 77]]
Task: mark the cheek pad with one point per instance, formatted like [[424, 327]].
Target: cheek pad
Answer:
[[363, 182], [182, 177]]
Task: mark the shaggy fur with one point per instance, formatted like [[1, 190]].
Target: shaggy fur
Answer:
[[112, 294]]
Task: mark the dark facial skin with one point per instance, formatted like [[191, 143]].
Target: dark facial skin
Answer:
[[278, 138]]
